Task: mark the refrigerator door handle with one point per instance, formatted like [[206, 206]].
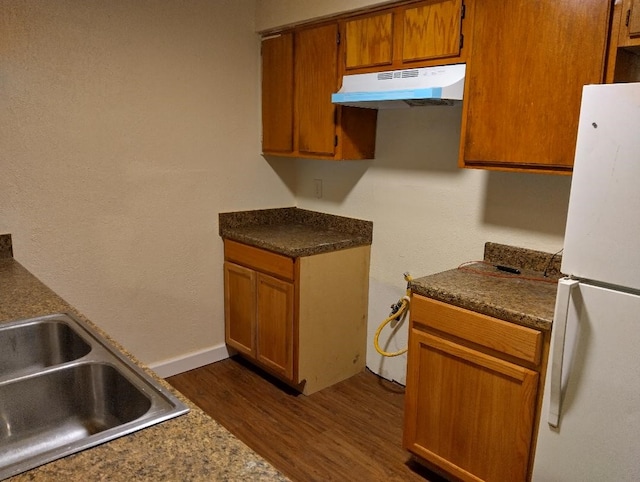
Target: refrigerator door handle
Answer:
[[565, 286]]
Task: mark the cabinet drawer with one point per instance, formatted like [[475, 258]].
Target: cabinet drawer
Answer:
[[508, 338], [259, 259]]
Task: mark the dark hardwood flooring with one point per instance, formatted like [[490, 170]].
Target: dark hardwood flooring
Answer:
[[351, 431]]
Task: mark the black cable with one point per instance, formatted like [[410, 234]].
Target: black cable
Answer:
[[550, 261]]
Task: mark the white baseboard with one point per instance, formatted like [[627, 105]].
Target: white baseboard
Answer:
[[173, 366]]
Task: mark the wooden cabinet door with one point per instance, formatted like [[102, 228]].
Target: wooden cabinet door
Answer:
[[277, 94], [529, 62], [431, 30], [316, 79], [240, 308], [467, 412], [627, 15], [275, 324], [632, 19], [369, 41]]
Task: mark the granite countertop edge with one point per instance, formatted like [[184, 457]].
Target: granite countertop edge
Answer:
[[293, 252], [481, 306], [192, 446]]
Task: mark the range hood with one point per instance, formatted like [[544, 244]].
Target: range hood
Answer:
[[394, 89]]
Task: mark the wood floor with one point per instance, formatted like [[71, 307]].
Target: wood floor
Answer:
[[351, 431]]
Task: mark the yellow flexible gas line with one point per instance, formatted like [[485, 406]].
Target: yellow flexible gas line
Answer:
[[400, 314]]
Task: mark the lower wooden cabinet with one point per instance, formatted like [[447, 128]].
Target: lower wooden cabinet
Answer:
[[255, 300], [303, 319], [473, 386]]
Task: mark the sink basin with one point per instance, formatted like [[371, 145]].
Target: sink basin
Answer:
[[29, 347], [63, 389]]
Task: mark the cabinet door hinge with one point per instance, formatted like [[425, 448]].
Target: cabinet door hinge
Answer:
[[461, 40], [626, 22], [335, 141], [463, 11], [338, 38]]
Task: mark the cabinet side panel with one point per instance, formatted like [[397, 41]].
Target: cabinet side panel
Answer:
[[334, 294]]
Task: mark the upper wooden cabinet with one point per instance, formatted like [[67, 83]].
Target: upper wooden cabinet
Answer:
[[527, 62], [623, 64], [413, 35], [629, 34], [299, 74], [525, 73]]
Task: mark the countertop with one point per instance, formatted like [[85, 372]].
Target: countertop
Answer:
[[190, 447], [527, 298], [295, 232]]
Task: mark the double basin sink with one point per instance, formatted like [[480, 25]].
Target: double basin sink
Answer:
[[64, 388]]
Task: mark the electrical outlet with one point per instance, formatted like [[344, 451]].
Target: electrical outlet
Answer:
[[317, 184]]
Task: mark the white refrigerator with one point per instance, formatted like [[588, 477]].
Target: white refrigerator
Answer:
[[590, 421]]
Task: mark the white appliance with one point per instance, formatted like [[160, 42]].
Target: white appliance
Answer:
[[590, 422], [393, 89]]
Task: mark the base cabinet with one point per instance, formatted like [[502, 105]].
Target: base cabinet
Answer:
[[472, 392], [303, 319], [259, 317]]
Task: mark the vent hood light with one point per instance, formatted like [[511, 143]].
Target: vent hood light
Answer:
[[394, 89]]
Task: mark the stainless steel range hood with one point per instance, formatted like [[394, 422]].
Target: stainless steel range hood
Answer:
[[443, 85]]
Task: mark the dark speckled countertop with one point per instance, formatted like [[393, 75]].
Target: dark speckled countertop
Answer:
[[190, 447], [518, 298], [295, 232]]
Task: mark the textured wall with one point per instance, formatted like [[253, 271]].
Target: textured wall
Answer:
[[276, 13], [125, 127], [428, 215]]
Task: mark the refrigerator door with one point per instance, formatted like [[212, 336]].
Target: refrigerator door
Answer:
[[598, 433], [603, 223]]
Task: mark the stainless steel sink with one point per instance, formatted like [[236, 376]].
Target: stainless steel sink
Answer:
[[29, 347], [63, 389]]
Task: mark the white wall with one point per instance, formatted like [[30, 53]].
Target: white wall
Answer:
[[428, 215], [277, 13], [125, 128]]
